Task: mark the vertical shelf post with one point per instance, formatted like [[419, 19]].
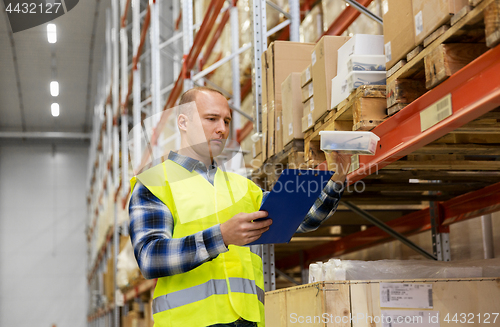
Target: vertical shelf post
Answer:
[[187, 36], [235, 66]]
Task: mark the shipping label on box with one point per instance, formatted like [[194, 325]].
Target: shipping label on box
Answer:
[[429, 15], [402, 295]]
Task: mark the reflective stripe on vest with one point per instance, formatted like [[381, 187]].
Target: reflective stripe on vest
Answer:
[[203, 291]]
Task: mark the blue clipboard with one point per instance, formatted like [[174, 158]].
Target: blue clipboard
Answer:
[[289, 202]]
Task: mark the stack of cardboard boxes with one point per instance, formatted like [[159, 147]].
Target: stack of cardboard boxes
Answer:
[[302, 81], [278, 61], [408, 22]]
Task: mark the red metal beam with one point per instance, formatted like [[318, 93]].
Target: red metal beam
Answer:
[[467, 206], [242, 133], [144, 31], [345, 19], [475, 90], [215, 38], [178, 20], [471, 205], [125, 13], [201, 37], [246, 88]]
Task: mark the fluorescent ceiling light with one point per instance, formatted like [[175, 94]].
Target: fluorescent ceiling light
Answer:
[[54, 108], [54, 88], [51, 33]]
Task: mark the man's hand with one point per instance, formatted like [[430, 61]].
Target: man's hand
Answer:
[[340, 164], [241, 229]]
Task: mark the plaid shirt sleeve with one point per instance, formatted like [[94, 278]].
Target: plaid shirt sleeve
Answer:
[[156, 252], [324, 206]]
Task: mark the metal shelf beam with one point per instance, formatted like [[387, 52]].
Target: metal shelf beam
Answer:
[[467, 206], [475, 90]]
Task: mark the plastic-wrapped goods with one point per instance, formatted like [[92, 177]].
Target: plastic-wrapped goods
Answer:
[[316, 272], [414, 269], [333, 270]]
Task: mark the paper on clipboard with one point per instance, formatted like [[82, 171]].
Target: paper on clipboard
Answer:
[[290, 200]]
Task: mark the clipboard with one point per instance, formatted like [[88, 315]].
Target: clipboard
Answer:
[[289, 202]]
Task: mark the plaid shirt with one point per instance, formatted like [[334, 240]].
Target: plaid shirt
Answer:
[[152, 225]]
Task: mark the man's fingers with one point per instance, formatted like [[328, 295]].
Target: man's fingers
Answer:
[[256, 225], [259, 214]]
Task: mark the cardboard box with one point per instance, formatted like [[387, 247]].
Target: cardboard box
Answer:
[[306, 76], [359, 303], [278, 131], [292, 108], [428, 15], [308, 107], [257, 162], [307, 91], [270, 133], [324, 68], [399, 30], [256, 148], [311, 28], [284, 58], [307, 115], [307, 123]]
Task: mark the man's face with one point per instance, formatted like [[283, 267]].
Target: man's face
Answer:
[[208, 128]]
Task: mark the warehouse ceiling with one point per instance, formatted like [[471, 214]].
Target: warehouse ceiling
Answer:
[[28, 63]]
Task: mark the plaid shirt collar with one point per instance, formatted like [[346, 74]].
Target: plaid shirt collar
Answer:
[[189, 163]]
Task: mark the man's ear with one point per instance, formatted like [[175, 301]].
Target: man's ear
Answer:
[[182, 121]]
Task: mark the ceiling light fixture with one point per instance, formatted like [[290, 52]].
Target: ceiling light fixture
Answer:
[[54, 88], [52, 33], [54, 108]]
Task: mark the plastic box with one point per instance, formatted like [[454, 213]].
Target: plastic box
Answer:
[[357, 78], [366, 63], [349, 142]]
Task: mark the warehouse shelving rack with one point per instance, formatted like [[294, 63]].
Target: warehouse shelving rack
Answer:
[[112, 111], [111, 115], [108, 176]]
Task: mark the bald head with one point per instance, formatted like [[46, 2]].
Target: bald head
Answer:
[[190, 96]]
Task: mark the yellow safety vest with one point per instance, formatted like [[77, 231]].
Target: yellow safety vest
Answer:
[[221, 290]]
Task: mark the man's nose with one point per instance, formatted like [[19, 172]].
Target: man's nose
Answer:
[[221, 127]]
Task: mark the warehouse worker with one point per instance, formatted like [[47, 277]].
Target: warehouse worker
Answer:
[[190, 222]]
